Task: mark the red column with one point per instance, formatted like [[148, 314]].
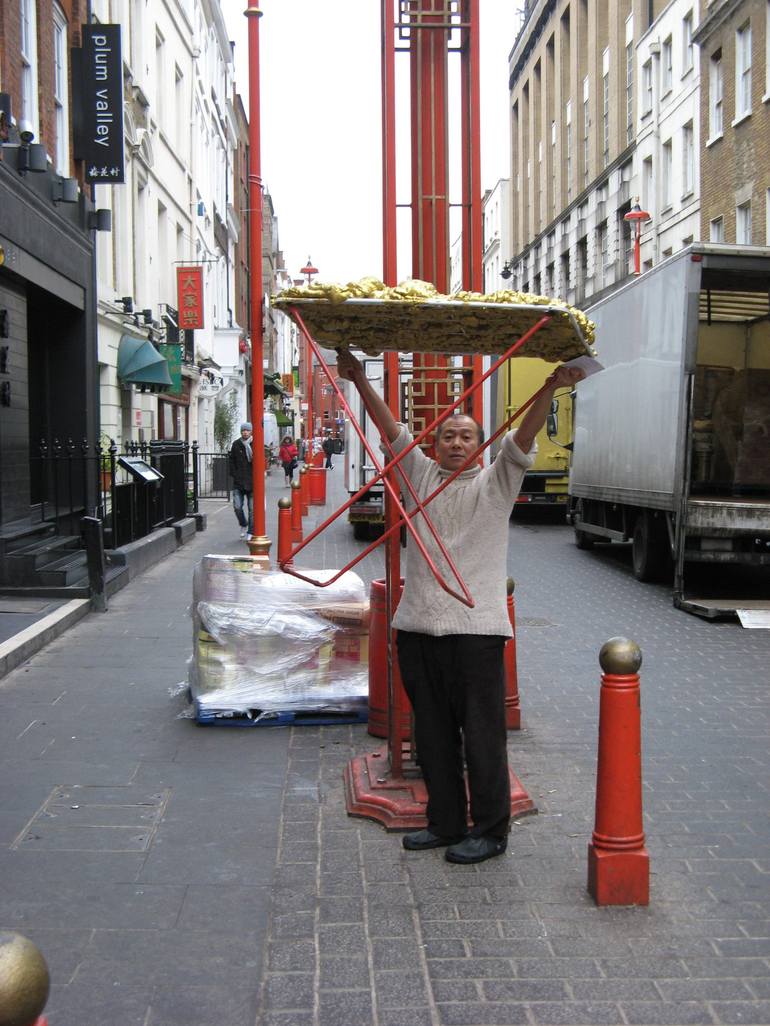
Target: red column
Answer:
[[296, 513], [304, 490], [260, 543], [618, 862], [284, 531]]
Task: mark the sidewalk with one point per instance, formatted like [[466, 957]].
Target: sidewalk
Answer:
[[176, 874]]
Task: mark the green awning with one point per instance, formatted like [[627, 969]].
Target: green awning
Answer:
[[140, 363], [273, 386], [282, 420]]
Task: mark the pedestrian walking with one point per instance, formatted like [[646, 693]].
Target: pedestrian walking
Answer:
[[289, 458], [451, 656], [243, 482], [328, 447]]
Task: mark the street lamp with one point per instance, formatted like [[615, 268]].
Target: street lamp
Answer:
[[507, 270], [637, 216], [309, 271]]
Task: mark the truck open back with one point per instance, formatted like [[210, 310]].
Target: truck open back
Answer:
[[672, 439]]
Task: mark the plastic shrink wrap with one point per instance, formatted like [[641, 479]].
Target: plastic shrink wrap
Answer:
[[267, 642]]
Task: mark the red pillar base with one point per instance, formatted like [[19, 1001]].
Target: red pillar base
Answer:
[[512, 714], [619, 877], [399, 803]]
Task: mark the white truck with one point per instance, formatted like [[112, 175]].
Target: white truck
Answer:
[[367, 515], [672, 439]]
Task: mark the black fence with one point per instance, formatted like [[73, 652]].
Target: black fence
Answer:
[[133, 490]]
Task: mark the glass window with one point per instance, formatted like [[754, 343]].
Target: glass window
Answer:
[[743, 224], [743, 70], [648, 194], [647, 87], [61, 91], [586, 132], [686, 42], [717, 230], [688, 159], [665, 173], [630, 93], [667, 66], [28, 15], [716, 92]]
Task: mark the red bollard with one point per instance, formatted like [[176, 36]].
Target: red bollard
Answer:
[[284, 531], [296, 513], [512, 708], [304, 490], [618, 862]]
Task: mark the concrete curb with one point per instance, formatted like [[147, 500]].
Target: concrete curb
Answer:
[[26, 643]]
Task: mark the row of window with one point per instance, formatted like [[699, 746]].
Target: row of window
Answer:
[[743, 77], [29, 85], [743, 225]]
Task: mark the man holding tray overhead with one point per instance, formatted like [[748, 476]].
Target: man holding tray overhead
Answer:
[[451, 656]]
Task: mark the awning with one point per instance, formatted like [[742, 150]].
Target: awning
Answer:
[[140, 363], [282, 420]]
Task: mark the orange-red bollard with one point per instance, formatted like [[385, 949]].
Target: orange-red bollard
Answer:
[[284, 531], [618, 862], [296, 513], [304, 490], [512, 708]]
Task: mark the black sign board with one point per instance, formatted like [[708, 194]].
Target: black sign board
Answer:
[[140, 469], [98, 128]]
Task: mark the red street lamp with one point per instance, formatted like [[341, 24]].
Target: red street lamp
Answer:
[[259, 545], [637, 216], [309, 271]]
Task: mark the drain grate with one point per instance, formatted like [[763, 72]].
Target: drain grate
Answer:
[[92, 818]]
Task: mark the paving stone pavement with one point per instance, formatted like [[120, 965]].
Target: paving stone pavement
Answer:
[[181, 874]]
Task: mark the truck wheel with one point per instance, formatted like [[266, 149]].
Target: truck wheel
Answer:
[[649, 549], [583, 540], [361, 530]]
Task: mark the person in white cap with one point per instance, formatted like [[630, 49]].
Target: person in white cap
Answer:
[[243, 483]]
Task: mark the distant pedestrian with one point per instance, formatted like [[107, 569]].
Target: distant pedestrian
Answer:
[[289, 457], [243, 482], [328, 447]]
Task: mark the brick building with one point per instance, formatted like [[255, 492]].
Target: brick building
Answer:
[[734, 41]]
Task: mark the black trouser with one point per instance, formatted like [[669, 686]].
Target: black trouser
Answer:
[[456, 684]]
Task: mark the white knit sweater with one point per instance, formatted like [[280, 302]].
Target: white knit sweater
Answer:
[[471, 518]]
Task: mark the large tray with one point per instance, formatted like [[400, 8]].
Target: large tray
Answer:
[[441, 326]]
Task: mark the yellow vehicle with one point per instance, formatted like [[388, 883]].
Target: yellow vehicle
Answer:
[[545, 484]]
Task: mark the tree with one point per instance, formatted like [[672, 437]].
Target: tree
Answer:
[[225, 419]]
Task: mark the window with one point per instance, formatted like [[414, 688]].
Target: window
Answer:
[[665, 173], [648, 194], [29, 63], [601, 252], [767, 53], [717, 230], [666, 66], [568, 146], [716, 93], [606, 106], [586, 132], [159, 79], [647, 87], [61, 91], [686, 42], [743, 224], [553, 165], [630, 93], [688, 159], [743, 71]]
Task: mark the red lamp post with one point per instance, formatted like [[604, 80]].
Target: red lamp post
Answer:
[[637, 216], [309, 270], [259, 545]]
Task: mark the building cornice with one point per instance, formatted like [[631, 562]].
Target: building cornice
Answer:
[[529, 38], [717, 14]]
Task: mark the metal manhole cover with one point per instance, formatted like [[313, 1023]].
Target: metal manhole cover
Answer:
[[86, 818]]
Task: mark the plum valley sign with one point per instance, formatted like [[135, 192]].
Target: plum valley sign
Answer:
[[98, 107]]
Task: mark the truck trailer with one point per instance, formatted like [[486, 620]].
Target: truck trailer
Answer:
[[672, 438], [367, 515]]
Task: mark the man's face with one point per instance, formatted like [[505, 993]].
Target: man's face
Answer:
[[458, 439], [245, 434]]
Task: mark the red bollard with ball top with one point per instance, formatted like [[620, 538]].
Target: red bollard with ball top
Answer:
[[618, 862], [296, 513], [284, 530], [304, 490]]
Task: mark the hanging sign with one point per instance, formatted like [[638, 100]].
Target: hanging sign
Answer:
[[189, 287], [98, 107]]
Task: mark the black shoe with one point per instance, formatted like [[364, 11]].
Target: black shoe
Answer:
[[422, 840], [475, 849]]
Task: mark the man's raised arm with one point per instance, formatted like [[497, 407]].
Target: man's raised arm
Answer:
[[351, 368]]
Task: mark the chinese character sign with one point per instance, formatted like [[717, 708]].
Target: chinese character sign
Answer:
[[189, 287], [98, 103]]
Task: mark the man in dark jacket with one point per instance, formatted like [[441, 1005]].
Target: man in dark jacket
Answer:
[[243, 484], [328, 447]]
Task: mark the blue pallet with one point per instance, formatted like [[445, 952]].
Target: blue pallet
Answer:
[[298, 718]]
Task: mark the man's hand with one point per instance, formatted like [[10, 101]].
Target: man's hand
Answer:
[[565, 377], [349, 367]]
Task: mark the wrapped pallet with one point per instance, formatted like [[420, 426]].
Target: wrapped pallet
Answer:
[[267, 643]]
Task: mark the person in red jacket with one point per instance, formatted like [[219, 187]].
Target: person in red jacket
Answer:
[[287, 454]]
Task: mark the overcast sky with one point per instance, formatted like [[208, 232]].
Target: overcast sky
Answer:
[[320, 113]]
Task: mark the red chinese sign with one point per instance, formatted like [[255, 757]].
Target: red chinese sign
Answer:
[[189, 290]]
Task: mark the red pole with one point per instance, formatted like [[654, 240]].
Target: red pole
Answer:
[[260, 543], [304, 490], [284, 531], [296, 513], [512, 707], [618, 862]]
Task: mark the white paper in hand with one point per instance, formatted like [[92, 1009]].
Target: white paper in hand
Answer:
[[587, 364]]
